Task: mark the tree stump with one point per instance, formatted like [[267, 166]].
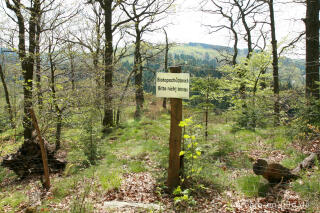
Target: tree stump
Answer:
[[27, 160]]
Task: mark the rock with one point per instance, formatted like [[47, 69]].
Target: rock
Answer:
[[121, 204]]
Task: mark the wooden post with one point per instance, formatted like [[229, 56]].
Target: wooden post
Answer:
[[175, 139], [43, 151]]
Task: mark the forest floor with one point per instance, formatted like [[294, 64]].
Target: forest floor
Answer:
[[132, 170]]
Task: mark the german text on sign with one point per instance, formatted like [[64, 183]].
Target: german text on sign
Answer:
[[172, 85]]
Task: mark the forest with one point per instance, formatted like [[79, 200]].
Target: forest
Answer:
[[84, 128]]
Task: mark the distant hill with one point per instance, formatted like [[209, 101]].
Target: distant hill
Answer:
[[200, 59]]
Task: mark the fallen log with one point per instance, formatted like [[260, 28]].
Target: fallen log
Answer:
[[308, 162]]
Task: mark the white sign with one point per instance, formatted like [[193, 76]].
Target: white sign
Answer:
[[172, 85]]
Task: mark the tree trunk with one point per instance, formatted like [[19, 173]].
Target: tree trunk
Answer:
[[235, 45], [164, 103], [108, 71], [38, 65], [138, 74], [72, 71], [58, 111], [275, 66], [312, 49], [27, 160], [6, 93], [122, 97], [246, 27], [28, 68], [58, 129]]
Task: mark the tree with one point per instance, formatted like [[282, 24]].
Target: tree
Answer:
[[164, 103], [6, 93], [109, 7], [249, 9], [144, 15], [53, 60], [90, 38], [26, 57], [275, 62], [232, 17], [255, 105], [206, 90], [312, 49]]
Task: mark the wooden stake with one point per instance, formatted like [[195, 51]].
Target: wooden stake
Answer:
[[43, 151], [175, 139]]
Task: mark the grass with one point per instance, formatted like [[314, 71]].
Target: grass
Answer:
[[309, 189], [251, 186], [110, 180], [64, 187], [140, 146], [11, 200]]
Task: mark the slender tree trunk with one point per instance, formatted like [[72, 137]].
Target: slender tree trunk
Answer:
[[138, 74], [207, 120], [96, 55], [58, 129], [312, 49], [164, 103], [108, 72], [275, 65], [235, 45], [72, 71], [38, 65], [122, 97], [58, 111], [246, 27], [6, 93]]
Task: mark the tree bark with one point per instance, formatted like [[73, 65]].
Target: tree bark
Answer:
[[6, 93], [72, 69], [275, 65], [164, 103], [38, 64], [58, 111], [28, 68], [138, 74], [108, 71], [312, 49]]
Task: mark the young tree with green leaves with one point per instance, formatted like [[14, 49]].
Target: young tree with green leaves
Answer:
[[257, 79], [144, 16], [206, 91]]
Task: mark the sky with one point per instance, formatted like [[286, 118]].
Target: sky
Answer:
[[187, 24]]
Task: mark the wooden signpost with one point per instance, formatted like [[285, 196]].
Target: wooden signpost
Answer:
[[174, 85]]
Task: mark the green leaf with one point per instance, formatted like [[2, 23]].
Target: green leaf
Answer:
[[177, 191], [182, 124]]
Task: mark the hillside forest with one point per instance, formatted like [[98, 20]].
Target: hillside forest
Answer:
[[82, 128]]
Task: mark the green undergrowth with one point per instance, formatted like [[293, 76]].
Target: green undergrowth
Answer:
[[251, 186], [142, 146], [12, 200], [309, 189]]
